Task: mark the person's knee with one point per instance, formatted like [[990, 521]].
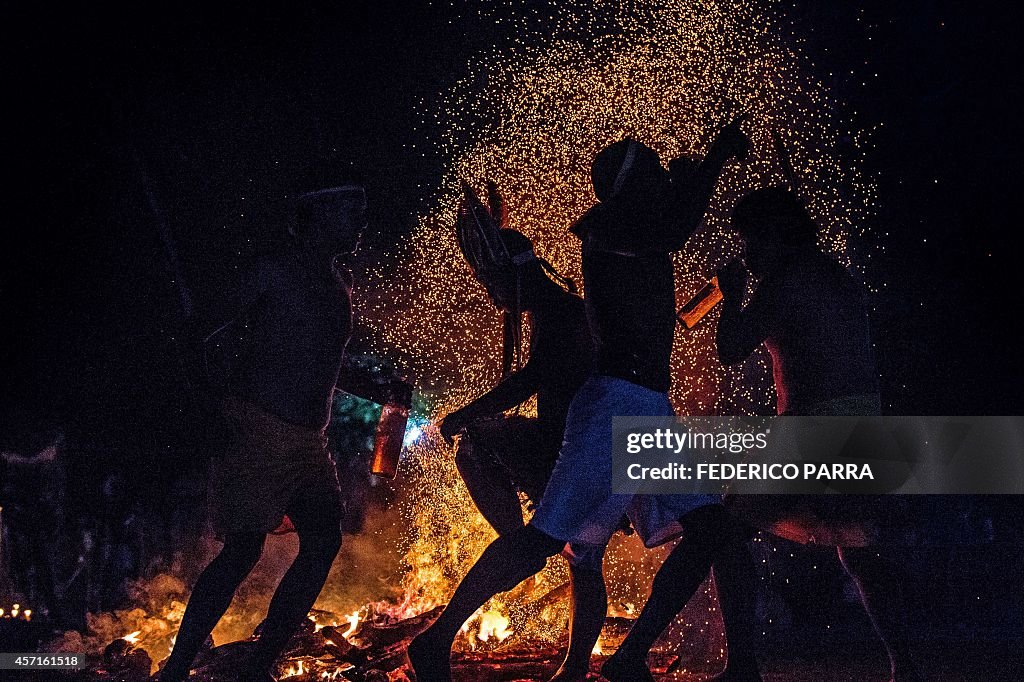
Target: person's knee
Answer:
[[588, 558], [705, 525], [242, 551], [332, 542], [323, 543], [532, 545], [519, 554]]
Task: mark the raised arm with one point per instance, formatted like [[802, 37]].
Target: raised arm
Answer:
[[513, 390], [693, 191]]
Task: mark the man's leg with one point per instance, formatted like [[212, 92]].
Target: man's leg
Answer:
[[878, 582], [506, 562], [317, 521], [210, 598], [489, 484], [589, 608], [736, 582], [709, 536]]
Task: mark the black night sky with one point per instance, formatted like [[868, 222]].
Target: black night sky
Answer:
[[215, 115]]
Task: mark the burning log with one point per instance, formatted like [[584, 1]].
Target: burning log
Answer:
[[223, 662], [335, 642], [381, 644], [125, 662], [369, 650], [122, 661], [385, 632], [369, 647]]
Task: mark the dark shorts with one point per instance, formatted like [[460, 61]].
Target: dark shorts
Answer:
[[521, 445], [840, 520], [269, 465]]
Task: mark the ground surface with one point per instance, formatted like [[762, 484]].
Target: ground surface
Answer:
[[954, 662]]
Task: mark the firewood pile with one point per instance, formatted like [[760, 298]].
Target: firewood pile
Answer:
[[373, 652]]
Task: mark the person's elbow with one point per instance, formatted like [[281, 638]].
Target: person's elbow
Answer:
[[731, 356], [731, 351]]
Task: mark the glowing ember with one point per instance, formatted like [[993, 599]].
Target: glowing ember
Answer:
[[294, 671], [132, 638], [353, 624], [493, 625]]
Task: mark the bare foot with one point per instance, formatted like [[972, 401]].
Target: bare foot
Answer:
[[564, 674], [622, 669], [430, 660]]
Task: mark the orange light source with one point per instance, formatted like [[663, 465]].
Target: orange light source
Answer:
[[700, 305], [387, 444]]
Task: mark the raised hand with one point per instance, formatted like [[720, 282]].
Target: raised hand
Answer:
[[731, 141], [452, 424]]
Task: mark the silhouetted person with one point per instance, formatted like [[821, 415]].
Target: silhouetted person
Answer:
[[499, 456], [810, 314], [299, 319], [643, 215], [712, 538]]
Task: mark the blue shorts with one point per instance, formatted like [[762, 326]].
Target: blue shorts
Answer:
[[578, 505]]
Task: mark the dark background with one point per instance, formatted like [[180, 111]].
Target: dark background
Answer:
[[205, 120]]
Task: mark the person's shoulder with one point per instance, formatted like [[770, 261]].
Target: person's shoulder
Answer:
[[839, 272], [595, 217], [830, 277], [561, 316], [816, 265]]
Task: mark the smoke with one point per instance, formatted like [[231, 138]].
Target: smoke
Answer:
[[157, 605], [367, 565]]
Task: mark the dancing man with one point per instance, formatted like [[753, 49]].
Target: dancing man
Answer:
[[810, 314], [278, 405], [500, 456]]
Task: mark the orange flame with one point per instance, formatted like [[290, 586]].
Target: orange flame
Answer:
[[353, 623], [493, 625], [293, 671]]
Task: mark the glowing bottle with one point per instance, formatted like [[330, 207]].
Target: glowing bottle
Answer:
[[387, 444], [700, 305]]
